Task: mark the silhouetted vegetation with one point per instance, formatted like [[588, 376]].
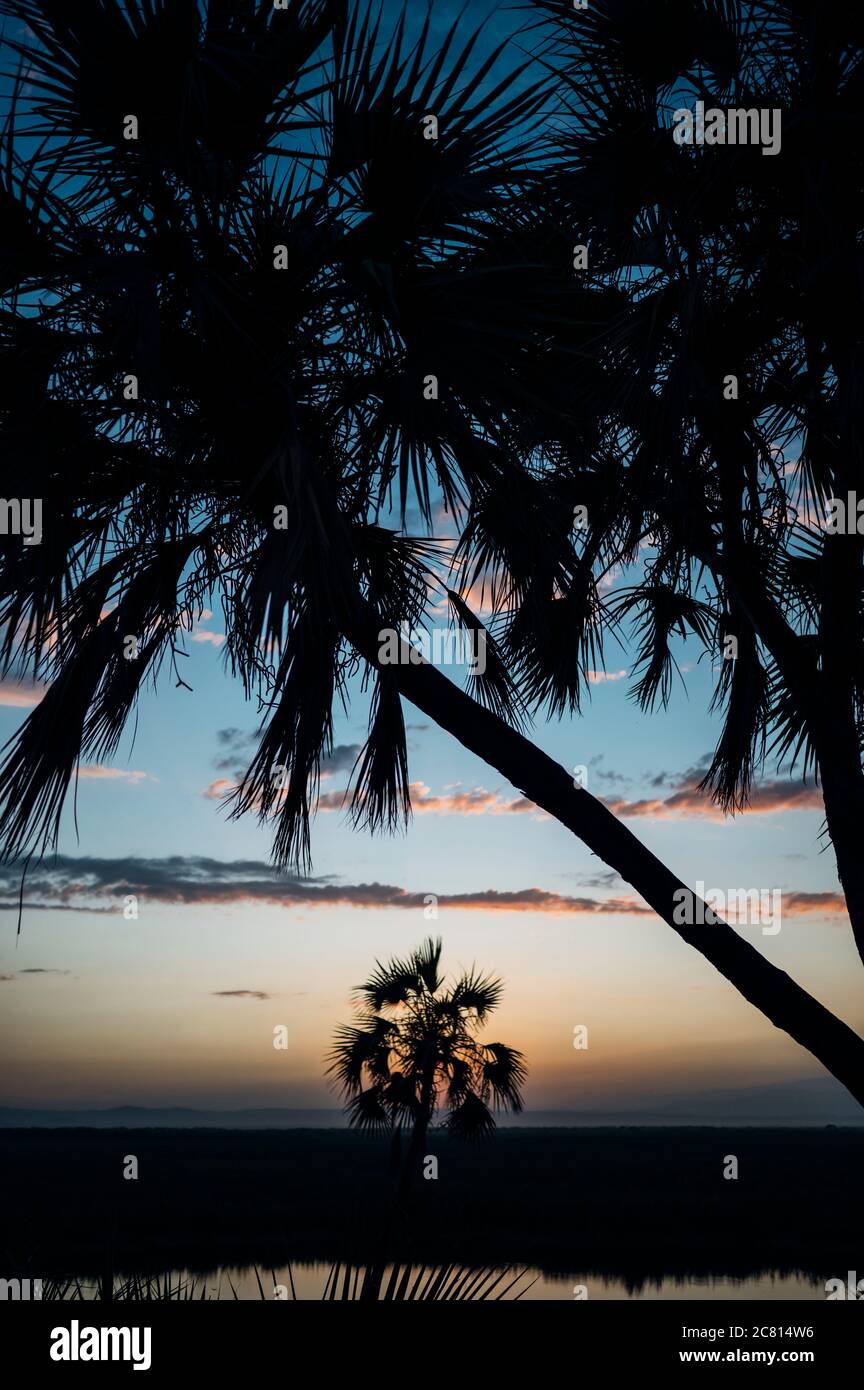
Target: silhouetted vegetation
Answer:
[[636, 1203], [413, 1052]]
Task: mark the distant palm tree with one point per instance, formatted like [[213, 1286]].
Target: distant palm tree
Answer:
[[414, 1052]]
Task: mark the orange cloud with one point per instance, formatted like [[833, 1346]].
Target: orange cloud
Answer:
[[21, 694], [475, 801], [801, 904], [221, 787], [602, 677], [539, 900], [768, 798], [96, 772], [685, 800]]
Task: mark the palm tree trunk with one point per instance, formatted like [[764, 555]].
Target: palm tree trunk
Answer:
[[839, 760], [412, 1158], [548, 785], [373, 1278], [418, 1135]]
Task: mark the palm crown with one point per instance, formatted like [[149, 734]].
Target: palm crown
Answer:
[[414, 1050], [714, 262], [232, 313]]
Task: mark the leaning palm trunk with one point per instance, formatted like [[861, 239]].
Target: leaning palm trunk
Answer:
[[843, 793], [548, 785]]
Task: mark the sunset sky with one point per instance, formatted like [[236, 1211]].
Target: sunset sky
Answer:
[[167, 1010], [178, 1007]]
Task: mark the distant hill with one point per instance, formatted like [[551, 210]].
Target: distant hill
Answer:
[[807, 1104], [170, 1117]]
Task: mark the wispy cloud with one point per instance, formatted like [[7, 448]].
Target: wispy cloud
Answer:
[[21, 694], [240, 994], [32, 970], [685, 799], [342, 759], [456, 801], [201, 634], [237, 748], [603, 677], [608, 878], [83, 884], [598, 770], [96, 772]]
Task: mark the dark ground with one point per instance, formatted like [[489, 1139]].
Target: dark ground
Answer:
[[639, 1203]]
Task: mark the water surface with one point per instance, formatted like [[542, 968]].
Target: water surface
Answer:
[[310, 1281]]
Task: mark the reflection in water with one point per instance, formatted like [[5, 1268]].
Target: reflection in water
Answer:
[[315, 1281]]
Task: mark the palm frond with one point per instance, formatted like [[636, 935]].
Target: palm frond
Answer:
[[471, 1120]]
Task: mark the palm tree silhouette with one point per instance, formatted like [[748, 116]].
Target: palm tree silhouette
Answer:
[[414, 1052], [713, 261], [234, 266]]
